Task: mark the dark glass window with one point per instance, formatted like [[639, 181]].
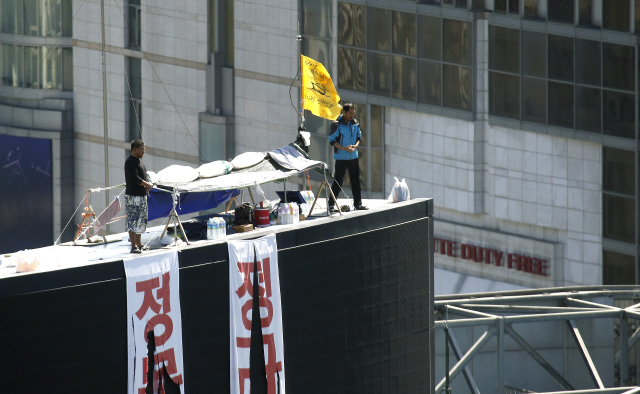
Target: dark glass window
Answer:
[[134, 24], [461, 3], [316, 18], [379, 29], [429, 82], [352, 69], [11, 16], [618, 217], [504, 95], [404, 78], [618, 113], [534, 100], [618, 167], [585, 12], [352, 26], [403, 33], [504, 49], [534, 54], [618, 268], [67, 69], [588, 62], [500, 6], [588, 113], [429, 37], [379, 72], [560, 104], [615, 14], [514, 7], [134, 96], [457, 87], [560, 58], [456, 37], [317, 49], [11, 65], [531, 9], [618, 66], [561, 10]]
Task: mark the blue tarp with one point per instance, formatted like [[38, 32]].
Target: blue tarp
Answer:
[[160, 202]]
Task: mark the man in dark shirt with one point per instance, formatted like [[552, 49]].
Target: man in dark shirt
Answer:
[[135, 195]]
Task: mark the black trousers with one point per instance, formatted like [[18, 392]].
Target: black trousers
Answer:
[[354, 175]]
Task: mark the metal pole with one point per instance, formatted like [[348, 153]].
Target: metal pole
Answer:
[[301, 103], [104, 113]]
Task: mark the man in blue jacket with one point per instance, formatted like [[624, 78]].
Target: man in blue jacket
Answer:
[[345, 138]]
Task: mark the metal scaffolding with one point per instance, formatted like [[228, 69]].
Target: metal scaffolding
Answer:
[[496, 314]]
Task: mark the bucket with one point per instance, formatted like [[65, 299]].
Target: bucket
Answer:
[[261, 216]]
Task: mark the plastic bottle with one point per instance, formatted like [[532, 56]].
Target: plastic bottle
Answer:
[[216, 228], [210, 228], [222, 232]]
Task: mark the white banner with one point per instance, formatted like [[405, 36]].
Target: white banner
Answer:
[[243, 257], [153, 304]]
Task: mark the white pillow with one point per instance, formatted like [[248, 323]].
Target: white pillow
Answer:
[[177, 174], [215, 168], [152, 176], [247, 159]]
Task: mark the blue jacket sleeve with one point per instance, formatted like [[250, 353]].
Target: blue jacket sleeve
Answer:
[[335, 135]]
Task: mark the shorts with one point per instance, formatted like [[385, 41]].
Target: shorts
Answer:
[[137, 213]]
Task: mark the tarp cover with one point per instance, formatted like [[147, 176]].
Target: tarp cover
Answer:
[[203, 194]]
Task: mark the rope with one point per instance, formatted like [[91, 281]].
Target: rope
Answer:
[[70, 219], [100, 189]]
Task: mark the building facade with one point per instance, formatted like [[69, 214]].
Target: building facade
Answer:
[[519, 117]]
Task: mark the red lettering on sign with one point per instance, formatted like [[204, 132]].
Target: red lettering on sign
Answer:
[[149, 301], [166, 321]]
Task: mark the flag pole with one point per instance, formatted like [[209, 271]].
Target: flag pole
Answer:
[[299, 39]]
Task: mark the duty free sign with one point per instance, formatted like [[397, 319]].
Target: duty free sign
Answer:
[[492, 256]]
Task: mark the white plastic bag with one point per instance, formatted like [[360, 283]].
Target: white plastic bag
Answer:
[[27, 261], [400, 191]]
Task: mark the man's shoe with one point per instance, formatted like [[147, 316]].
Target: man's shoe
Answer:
[[361, 208], [333, 209], [135, 250], [145, 247]]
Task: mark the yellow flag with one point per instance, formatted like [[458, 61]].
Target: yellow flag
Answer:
[[318, 93]]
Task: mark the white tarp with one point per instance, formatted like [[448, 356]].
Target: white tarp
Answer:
[[289, 157], [153, 304], [244, 256]]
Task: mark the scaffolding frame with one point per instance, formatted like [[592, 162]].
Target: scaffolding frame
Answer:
[[497, 312]]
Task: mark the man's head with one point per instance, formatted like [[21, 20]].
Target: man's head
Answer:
[[137, 148], [348, 112]]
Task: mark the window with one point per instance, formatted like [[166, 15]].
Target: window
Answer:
[[561, 11], [134, 97], [588, 62], [504, 95], [534, 54], [507, 7], [560, 104], [560, 58], [316, 30], [585, 12], [615, 15], [531, 9], [135, 24], [618, 113], [42, 18], [618, 197], [618, 66], [36, 67], [588, 113], [11, 65], [406, 56], [504, 49], [618, 268]]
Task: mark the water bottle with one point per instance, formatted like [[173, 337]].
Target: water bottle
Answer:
[[210, 228], [218, 229], [222, 228]]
